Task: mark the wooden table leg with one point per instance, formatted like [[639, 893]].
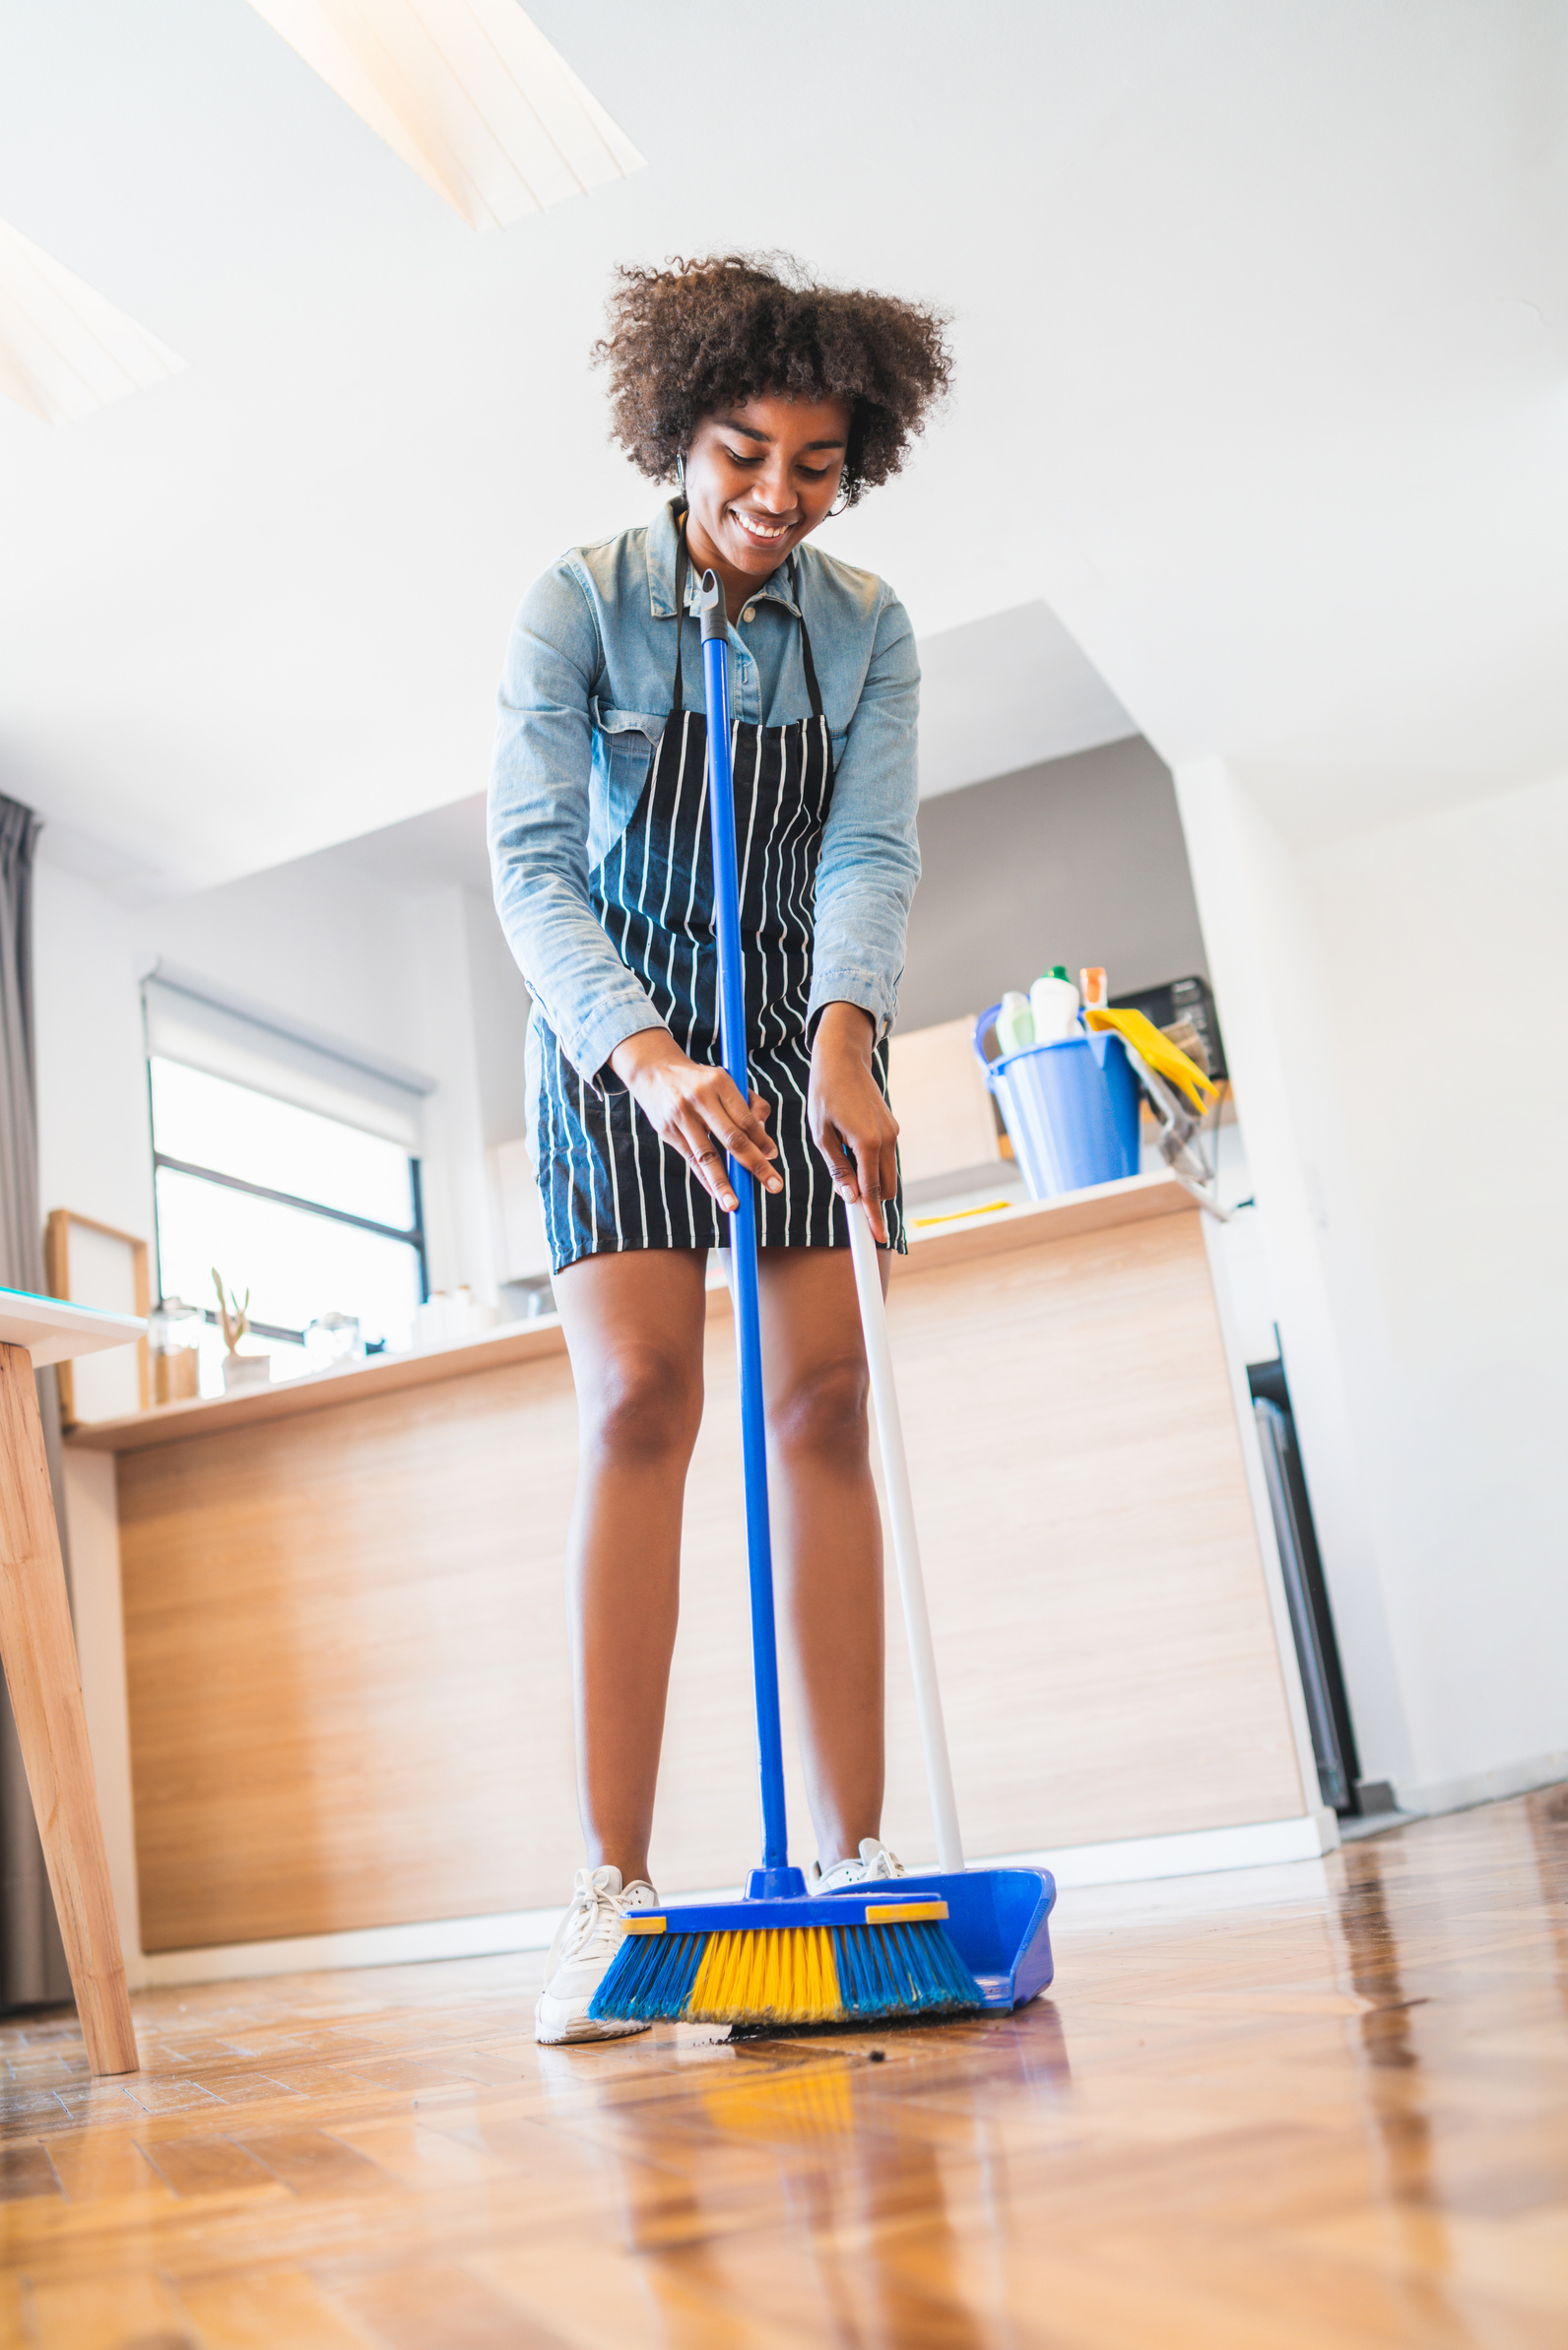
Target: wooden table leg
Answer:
[[45, 1684]]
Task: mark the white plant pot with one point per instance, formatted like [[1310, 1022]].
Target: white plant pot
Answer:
[[246, 1370]]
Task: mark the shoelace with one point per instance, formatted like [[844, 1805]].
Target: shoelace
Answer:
[[883, 1864], [594, 1911]]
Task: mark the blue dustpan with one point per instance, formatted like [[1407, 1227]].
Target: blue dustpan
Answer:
[[998, 1921]]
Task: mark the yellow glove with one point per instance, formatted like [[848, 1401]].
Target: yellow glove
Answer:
[[1162, 1055]]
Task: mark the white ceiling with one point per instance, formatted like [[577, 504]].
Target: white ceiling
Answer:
[[1262, 320]]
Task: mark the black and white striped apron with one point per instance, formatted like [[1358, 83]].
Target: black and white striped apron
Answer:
[[608, 1181]]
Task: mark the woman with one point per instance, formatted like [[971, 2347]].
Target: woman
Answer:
[[768, 403]]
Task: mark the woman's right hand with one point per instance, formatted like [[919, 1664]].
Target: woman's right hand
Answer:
[[697, 1111]]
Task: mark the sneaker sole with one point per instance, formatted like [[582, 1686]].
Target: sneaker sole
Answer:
[[562, 2029]]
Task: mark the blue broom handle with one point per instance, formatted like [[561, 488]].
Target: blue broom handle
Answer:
[[776, 1877]]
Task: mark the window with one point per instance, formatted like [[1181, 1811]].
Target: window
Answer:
[[305, 1207]]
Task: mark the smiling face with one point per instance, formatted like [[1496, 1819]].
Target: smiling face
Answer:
[[759, 477]]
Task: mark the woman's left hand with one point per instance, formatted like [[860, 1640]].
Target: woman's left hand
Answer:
[[852, 1126]]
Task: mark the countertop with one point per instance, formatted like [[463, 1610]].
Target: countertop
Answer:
[[970, 1237]]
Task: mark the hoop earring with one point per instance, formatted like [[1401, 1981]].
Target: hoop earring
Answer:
[[840, 508], [679, 470]]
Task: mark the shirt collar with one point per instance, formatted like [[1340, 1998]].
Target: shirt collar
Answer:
[[662, 547]]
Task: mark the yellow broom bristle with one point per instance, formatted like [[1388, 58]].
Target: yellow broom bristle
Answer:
[[781, 1974], [704, 1990]]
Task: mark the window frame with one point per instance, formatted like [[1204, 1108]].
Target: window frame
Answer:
[[413, 1237]]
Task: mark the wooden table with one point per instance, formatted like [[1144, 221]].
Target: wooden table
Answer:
[[40, 1667]]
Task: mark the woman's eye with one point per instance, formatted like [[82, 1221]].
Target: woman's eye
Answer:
[[736, 458], [817, 473]]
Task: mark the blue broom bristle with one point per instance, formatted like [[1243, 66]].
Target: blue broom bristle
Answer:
[[884, 1970], [650, 1978], [893, 1970]]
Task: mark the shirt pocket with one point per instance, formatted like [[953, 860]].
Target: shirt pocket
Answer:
[[625, 739], [624, 742]]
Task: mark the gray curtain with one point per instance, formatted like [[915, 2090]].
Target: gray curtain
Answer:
[[32, 1960]]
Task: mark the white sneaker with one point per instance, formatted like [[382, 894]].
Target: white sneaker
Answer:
[[586, 1940], [875, 1860]]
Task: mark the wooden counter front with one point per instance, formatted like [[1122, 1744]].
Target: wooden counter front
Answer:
[[344, 1633]]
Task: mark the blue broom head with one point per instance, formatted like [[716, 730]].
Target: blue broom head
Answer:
[[846, 1960]]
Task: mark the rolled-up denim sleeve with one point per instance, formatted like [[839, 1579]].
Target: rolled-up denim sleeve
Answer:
[[538, 827], [870, 859]]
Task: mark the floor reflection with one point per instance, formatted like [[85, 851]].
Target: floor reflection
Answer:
[[854, 2183], [873, 2157], [1397, 2091], [1374, 1952]]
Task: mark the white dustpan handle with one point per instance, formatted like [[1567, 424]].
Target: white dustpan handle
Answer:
[[906, 1546]]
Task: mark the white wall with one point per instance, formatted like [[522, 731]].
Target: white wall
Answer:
[[1075, 860], [1445, 956], [94, 1146], [1407, 1139]]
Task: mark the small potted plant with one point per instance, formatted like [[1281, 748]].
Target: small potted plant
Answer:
[[239, 1370]]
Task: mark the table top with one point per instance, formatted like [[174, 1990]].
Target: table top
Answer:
[[55, 1332]]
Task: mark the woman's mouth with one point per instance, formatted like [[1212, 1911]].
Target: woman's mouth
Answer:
[[758, 532]]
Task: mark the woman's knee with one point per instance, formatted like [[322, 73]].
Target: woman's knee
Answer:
[[641, 1406], [823, 1410]]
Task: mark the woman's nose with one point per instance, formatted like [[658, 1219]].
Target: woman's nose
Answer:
[[776, 492]]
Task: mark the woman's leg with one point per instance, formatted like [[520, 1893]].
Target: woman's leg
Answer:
[[828, 1534], [634, 1325]]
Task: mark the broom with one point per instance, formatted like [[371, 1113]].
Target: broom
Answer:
[[778, 1956]]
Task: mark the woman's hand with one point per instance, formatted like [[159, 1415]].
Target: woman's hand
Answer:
[[697, 1111], [852, 1126]]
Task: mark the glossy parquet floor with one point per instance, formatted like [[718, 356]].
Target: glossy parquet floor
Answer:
[[1327, 2107]]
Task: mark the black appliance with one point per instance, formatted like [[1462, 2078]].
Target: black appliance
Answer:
[[1311, 1618]]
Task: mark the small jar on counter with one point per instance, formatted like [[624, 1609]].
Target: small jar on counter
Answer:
[[173, 1335], [333, 1339]]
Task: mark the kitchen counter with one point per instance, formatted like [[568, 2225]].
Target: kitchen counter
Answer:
[[966, 1237], [345, 1640]]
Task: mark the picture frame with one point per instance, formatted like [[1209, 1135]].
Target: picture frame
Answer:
[[94, 1264]]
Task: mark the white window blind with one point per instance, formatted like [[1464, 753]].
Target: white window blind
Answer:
[[196, 1022]]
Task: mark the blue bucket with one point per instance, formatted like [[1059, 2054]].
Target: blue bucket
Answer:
[[1071, 1109]]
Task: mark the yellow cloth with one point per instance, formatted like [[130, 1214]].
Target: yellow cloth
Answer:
[[1166, 1058]]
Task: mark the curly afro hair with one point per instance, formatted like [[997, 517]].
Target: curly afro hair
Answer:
[[701, 335]]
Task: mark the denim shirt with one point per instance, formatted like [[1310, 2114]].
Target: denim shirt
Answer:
[[585, 692]]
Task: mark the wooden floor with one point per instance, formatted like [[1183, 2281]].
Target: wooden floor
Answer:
[[1321, 2108]]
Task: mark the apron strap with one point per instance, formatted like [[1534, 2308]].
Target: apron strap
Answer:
[[812, 687], [679, 603]]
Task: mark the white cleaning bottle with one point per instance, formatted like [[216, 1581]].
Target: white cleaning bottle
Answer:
[[1014, 1022], [1054, 1002]]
